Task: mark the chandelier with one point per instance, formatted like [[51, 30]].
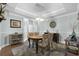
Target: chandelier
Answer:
[[2, 11]]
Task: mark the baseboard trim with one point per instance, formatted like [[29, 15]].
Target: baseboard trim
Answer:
[[3, 46]]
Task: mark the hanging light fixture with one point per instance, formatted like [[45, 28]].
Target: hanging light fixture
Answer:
[[39, 19], [2, 11]]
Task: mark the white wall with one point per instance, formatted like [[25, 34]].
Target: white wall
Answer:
[[64, 25], [25, 28]]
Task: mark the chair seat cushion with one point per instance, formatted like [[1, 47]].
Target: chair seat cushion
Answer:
[[72, 48], [73, 43], [42, 46]]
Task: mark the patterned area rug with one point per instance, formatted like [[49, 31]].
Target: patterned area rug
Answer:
[[58, 50]]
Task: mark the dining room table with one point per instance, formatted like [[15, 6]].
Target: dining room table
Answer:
[[35, 39]]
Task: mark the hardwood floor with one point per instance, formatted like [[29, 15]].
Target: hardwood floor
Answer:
[[6, 51]]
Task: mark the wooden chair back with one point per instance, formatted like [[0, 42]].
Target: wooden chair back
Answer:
[[50, 37], [45, 40]]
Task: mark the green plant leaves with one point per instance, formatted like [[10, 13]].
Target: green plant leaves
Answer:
[[2, 9]]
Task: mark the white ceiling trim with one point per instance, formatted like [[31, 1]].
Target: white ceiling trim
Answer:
[[75, 12], [54, 12], [20, 11], [27, 16], [24, 11], [46, 13]]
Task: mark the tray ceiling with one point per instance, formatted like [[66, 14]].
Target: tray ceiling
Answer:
[[42, 9]]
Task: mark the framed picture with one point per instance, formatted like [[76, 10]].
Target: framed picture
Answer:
[[15, 23]]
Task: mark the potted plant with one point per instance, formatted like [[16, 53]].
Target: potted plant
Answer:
[[2, 10]]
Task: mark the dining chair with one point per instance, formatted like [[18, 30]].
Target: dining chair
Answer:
[[50, 37], [46, 43]]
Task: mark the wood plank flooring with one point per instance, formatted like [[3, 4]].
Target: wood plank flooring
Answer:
[[6, 51]]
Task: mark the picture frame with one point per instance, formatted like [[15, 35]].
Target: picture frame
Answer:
[[15, 23]]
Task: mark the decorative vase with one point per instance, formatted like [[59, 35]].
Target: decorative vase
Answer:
[[73, 36]]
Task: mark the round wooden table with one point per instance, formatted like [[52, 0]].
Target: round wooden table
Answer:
[[36, 40]]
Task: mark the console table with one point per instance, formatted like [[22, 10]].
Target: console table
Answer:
[[15, 38]]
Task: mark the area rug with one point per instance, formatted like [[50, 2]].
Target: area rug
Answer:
[[25, 51]]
